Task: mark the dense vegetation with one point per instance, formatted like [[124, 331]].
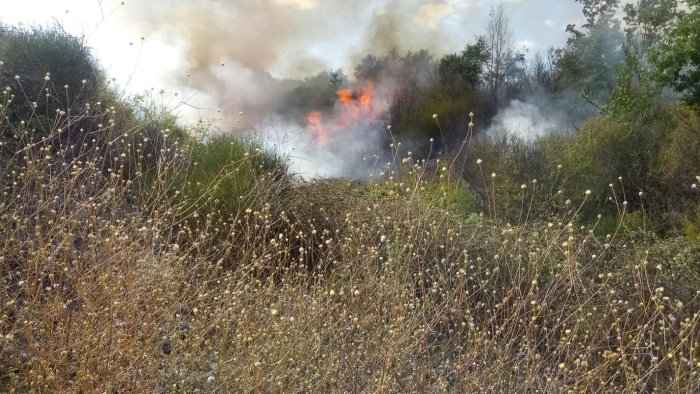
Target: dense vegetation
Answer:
[[137, 257]]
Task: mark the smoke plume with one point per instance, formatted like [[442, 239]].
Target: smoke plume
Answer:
[[236, 62], [241, 58]]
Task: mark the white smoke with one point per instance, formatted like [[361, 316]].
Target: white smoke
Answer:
[[526, 120]]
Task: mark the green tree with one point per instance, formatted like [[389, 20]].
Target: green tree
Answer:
[[515, 77], [588, 63], [636, 93], [677, 59], [649, 21], [372, 67], [464, 70], [544, 76], [316, 93], [597, 11], [337, 78], [418, 69]]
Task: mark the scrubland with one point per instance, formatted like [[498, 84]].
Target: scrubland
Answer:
[[138, 258]]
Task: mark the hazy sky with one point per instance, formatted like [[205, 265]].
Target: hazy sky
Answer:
[[289, 38]]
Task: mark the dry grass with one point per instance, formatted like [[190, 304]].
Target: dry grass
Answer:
[[114, 284]]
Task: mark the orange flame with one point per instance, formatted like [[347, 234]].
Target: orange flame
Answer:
[[354, 107], [345, 96], [315, 126], [366, 97]]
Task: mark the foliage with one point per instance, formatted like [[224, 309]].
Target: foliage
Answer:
[[312, 94], [590, 59], [678, 58], [47, 76], [55, 90], [515, 163], [220, 175], [636, 91], [464, 70], [617, 158], [337, 78], [403, 294], [417, 70], [413, 123], [596, 11], [648, 22], [413, 71], [46, 60], [516, 77]]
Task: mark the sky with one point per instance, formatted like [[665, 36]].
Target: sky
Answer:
[[288, 38]]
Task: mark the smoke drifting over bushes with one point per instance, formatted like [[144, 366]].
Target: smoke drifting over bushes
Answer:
[[540, 114], [243, 58], [526, 120], [240, 60], [256, 39]]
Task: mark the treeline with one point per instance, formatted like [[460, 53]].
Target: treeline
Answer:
[[607, 66]]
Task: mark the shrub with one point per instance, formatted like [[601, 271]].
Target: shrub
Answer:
[[619, 157], [100, 292], [227, 170], [47, 71], [413, 123], [54, 89], [515, 162], [48, 58]]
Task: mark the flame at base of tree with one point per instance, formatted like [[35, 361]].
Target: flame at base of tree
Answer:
[[354, 108]]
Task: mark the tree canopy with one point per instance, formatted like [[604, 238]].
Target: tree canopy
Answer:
[[677, 59]]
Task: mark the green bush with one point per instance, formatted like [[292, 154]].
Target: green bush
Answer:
[[619, 157], [454, 196], [515, 162], [225, 175], [48, 58], [54, 89], [413, 123], [48, 70]]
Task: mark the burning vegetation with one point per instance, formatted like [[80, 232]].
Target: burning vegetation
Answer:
[[353, 108]]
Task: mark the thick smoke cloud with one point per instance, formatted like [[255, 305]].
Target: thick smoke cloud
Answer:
[[238, 59], [292, 38], [265, 43]]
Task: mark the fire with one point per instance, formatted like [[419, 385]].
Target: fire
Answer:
[[345, 96], [354, 107], [365, 97], [314, 125]]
